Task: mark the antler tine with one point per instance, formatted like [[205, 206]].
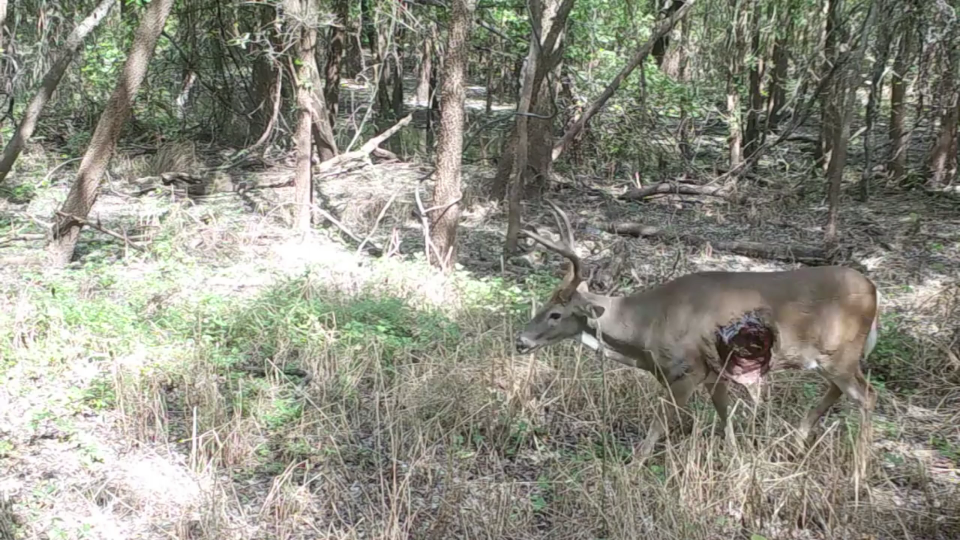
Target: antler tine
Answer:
[[565, 248], [559, 215]]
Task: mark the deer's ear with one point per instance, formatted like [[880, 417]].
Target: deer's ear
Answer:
[[589, 310]]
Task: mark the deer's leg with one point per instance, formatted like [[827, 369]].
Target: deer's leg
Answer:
[[814, 415], [719, 397], [845, 378], [680, 390]]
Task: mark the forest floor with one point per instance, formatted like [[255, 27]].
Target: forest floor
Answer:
[[232, 379]]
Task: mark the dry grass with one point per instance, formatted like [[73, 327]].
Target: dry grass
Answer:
[[154, 396]]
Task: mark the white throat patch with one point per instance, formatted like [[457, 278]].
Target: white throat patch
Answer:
[[589, 341]]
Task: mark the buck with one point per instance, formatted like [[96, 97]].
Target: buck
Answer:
[[714, 328]]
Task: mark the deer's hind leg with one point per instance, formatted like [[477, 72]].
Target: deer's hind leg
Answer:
[[842, 370]]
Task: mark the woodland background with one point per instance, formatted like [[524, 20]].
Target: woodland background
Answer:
[[260, 273]]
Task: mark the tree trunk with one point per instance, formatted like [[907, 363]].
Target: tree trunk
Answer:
[[577, 126], [3, 19], [753, 137], [870, 115], [423, 77], [847, 84], [734, 71], [305, 17], [778, 78], [266, 73], [541, 136], [83, 193], [942, 161], [899, 136], [338, 38], [829, 121], [548, 20], [49, 84], [299, 18], [446, 194], [534, 72]]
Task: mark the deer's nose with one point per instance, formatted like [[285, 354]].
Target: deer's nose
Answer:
[[523, 344]]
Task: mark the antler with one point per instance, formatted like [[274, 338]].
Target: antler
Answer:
[[574, 275]]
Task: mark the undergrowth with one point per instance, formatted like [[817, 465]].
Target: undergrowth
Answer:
[[380, 414]]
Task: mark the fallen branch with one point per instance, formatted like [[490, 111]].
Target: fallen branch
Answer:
[[365, 150], [21, 238], [101, 228], [636, 194], [790, 253]]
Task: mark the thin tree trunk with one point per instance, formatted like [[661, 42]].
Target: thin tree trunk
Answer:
[[753, 137], [83, 193], [899, 136], [49, 84], [847, 84], [3, 19], [577, 126], [777, 90], [734, 71], [870, 116], [423, 78], [541, 136], [338, 38], [446, 194], [534, 72], [299, 17], [942, 161], [829, 122]]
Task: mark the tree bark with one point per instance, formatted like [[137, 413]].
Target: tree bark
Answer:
[[734, 72], [829, 119], [83, 193], [899, 136], [299, 17], [870, 115], [49, 84], [533, 75], [423, 77], [548, 20], [446, 194], [577, 126], [338, 39], [754, 137], [942, 162], [778, 78], [541, 125], [845, 99]]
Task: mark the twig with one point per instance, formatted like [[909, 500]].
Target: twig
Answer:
[[425, 223], [21, 238], [46, 179], [376, 223], [98, 227], [374, 249]]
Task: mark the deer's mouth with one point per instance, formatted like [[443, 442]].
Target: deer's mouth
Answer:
[[526, 346]]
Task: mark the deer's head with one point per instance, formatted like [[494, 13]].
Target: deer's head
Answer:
[[566, 312]]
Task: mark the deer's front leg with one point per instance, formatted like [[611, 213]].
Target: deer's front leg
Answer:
[[680, 392]]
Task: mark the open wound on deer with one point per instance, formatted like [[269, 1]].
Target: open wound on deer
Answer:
[[745, 347]]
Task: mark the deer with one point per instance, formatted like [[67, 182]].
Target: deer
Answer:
[[718, 327]]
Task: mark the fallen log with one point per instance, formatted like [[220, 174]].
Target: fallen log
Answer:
[[666, 188], [789, 253], [365, 150]]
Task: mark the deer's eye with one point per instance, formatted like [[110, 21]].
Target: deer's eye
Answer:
[[555, 316]]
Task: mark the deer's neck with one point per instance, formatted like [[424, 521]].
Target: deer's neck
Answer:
[[619, 324]]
